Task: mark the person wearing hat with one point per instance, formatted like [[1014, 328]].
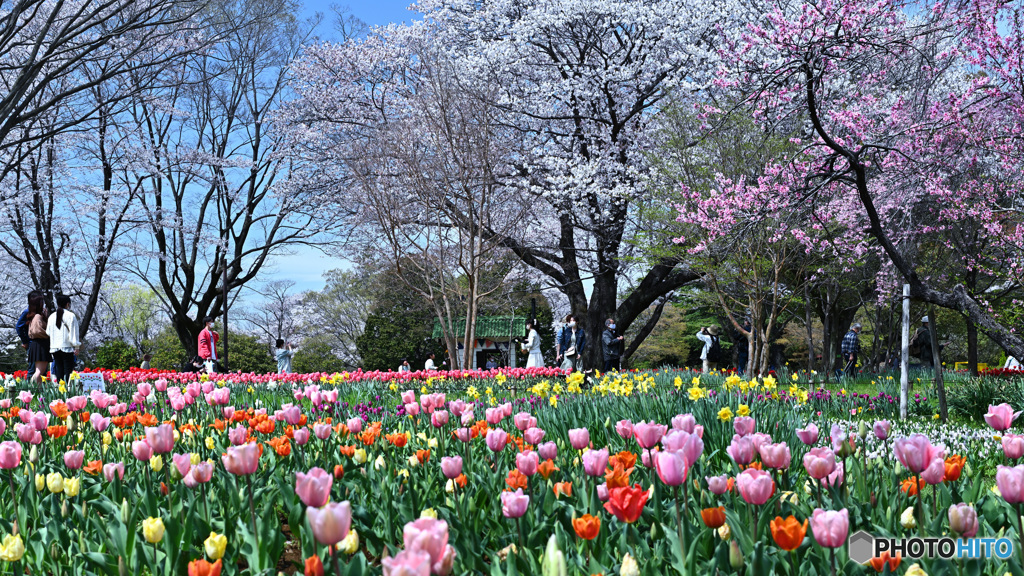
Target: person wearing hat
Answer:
[[711, 353], [851, 349]]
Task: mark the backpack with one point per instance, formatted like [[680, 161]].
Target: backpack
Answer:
[[715, 351]]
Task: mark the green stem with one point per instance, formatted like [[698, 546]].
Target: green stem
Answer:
[[334, 560], [252, 511], [679, 525]]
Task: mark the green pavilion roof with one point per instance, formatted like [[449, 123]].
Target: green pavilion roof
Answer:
[[488, 327]]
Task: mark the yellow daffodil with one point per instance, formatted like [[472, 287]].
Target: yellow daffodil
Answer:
[[725, 414]]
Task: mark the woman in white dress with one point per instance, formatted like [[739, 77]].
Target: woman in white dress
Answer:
[[532, 344]]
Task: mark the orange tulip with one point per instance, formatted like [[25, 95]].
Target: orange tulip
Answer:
[[94, 467], [587, 526], [204, 568], [348, 451], [148, 420], [219, 424], [546, 468], [561, 488], [879, 562], [515, 480], [625, 458], [423, 456], [461, 480], [617, 477], [397, 440], [910, 488], [265, 427], [57, 431], [954, 466], [314, 566], [713, 517], [788, 533], [339, 471], [626, 503]]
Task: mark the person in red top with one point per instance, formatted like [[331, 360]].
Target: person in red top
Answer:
[[208, 341]]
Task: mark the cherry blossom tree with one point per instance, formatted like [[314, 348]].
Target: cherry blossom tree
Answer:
[[907, 117]]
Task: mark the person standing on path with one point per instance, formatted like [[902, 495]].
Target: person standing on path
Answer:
[[711, 353], [21, 327], [572, 342], [284, 357], [62, 330], [39, 342], [208, 338], [532, 344], [612, 344], [851, 349]]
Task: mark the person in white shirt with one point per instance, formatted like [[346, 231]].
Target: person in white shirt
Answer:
[[62, 328], [284, 357], [532, 344], [711, 350], [430, 363], [404, 366]]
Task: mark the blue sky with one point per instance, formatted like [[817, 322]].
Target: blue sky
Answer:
[[306, 266]]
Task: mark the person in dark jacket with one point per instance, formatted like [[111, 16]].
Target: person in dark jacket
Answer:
[[22, 328], [611, 346], [571, 342]]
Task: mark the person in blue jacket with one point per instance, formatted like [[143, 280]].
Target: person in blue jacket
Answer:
[[571, 343], [21, 327]]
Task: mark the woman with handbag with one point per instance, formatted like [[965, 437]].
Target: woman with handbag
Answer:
[[532, 344], [572, 343], [39, 342]]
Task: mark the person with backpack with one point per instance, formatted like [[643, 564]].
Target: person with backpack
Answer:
[[850, 348], [711, 353], [62, 329]]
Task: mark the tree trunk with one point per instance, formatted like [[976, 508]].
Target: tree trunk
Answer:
[[644, 332], [937, 363]]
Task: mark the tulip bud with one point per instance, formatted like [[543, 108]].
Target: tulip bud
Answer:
[[723, 532], [553, 563], [33, 455], [124, 511], [862, 430], [122, 569], [629, 566], [735, 555], [72, 425], [907, 519], [40, 482]]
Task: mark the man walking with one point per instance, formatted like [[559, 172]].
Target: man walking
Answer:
[[851, 349], [611, 346]]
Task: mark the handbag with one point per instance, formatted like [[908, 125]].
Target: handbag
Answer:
[[571, 351]]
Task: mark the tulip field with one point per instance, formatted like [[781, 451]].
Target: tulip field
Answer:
[[527, 471]]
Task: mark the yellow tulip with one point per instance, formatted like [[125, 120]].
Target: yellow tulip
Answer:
[[360, 456], [12, 548], [72, 486], [350, 545], [55, 482], [215, 545], [194, 458], [40, 482], [209, 443], [153, 529], [429, 513], [156, 463], [107, 439]]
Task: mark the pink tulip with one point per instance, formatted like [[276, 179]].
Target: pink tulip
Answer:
[[407, 563], [935, 472], [579, 438], [513, 504], [496, 439], [506, 409], [916, 452], [238, 435], [202, 472], [112, 468], [819, 462], [408, 397], [759, 439], [1013, 446], [25, 397], [648, 434], [674, 440], [242, 460], [881, 429], [830, 527], [322, 431], [808, 434], [457, 407], [602, 492], [533, 435], [547, 451], [671, 468], [963, 520], [183, 463], [439, 418], [40, 420], [743, 425], [524, 421], [1010, 481], [314, 488], [684, 422], [595, 462], [776, 456], [5, 403], [161, 385], [451, 466], [718, 485], [464, 434], [73, 459], [430, 536], [494, 415], [301, 436], [161, 438], [741, 450], [1001, 417], [412, 409], [76, 403], [527, 462], [355, 425], [3, 426], [331, 523], [624, 428], [291, 414], [467, 418], [836, 477], [178, 404], [755, 486], [10, 455], [142, 450]]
